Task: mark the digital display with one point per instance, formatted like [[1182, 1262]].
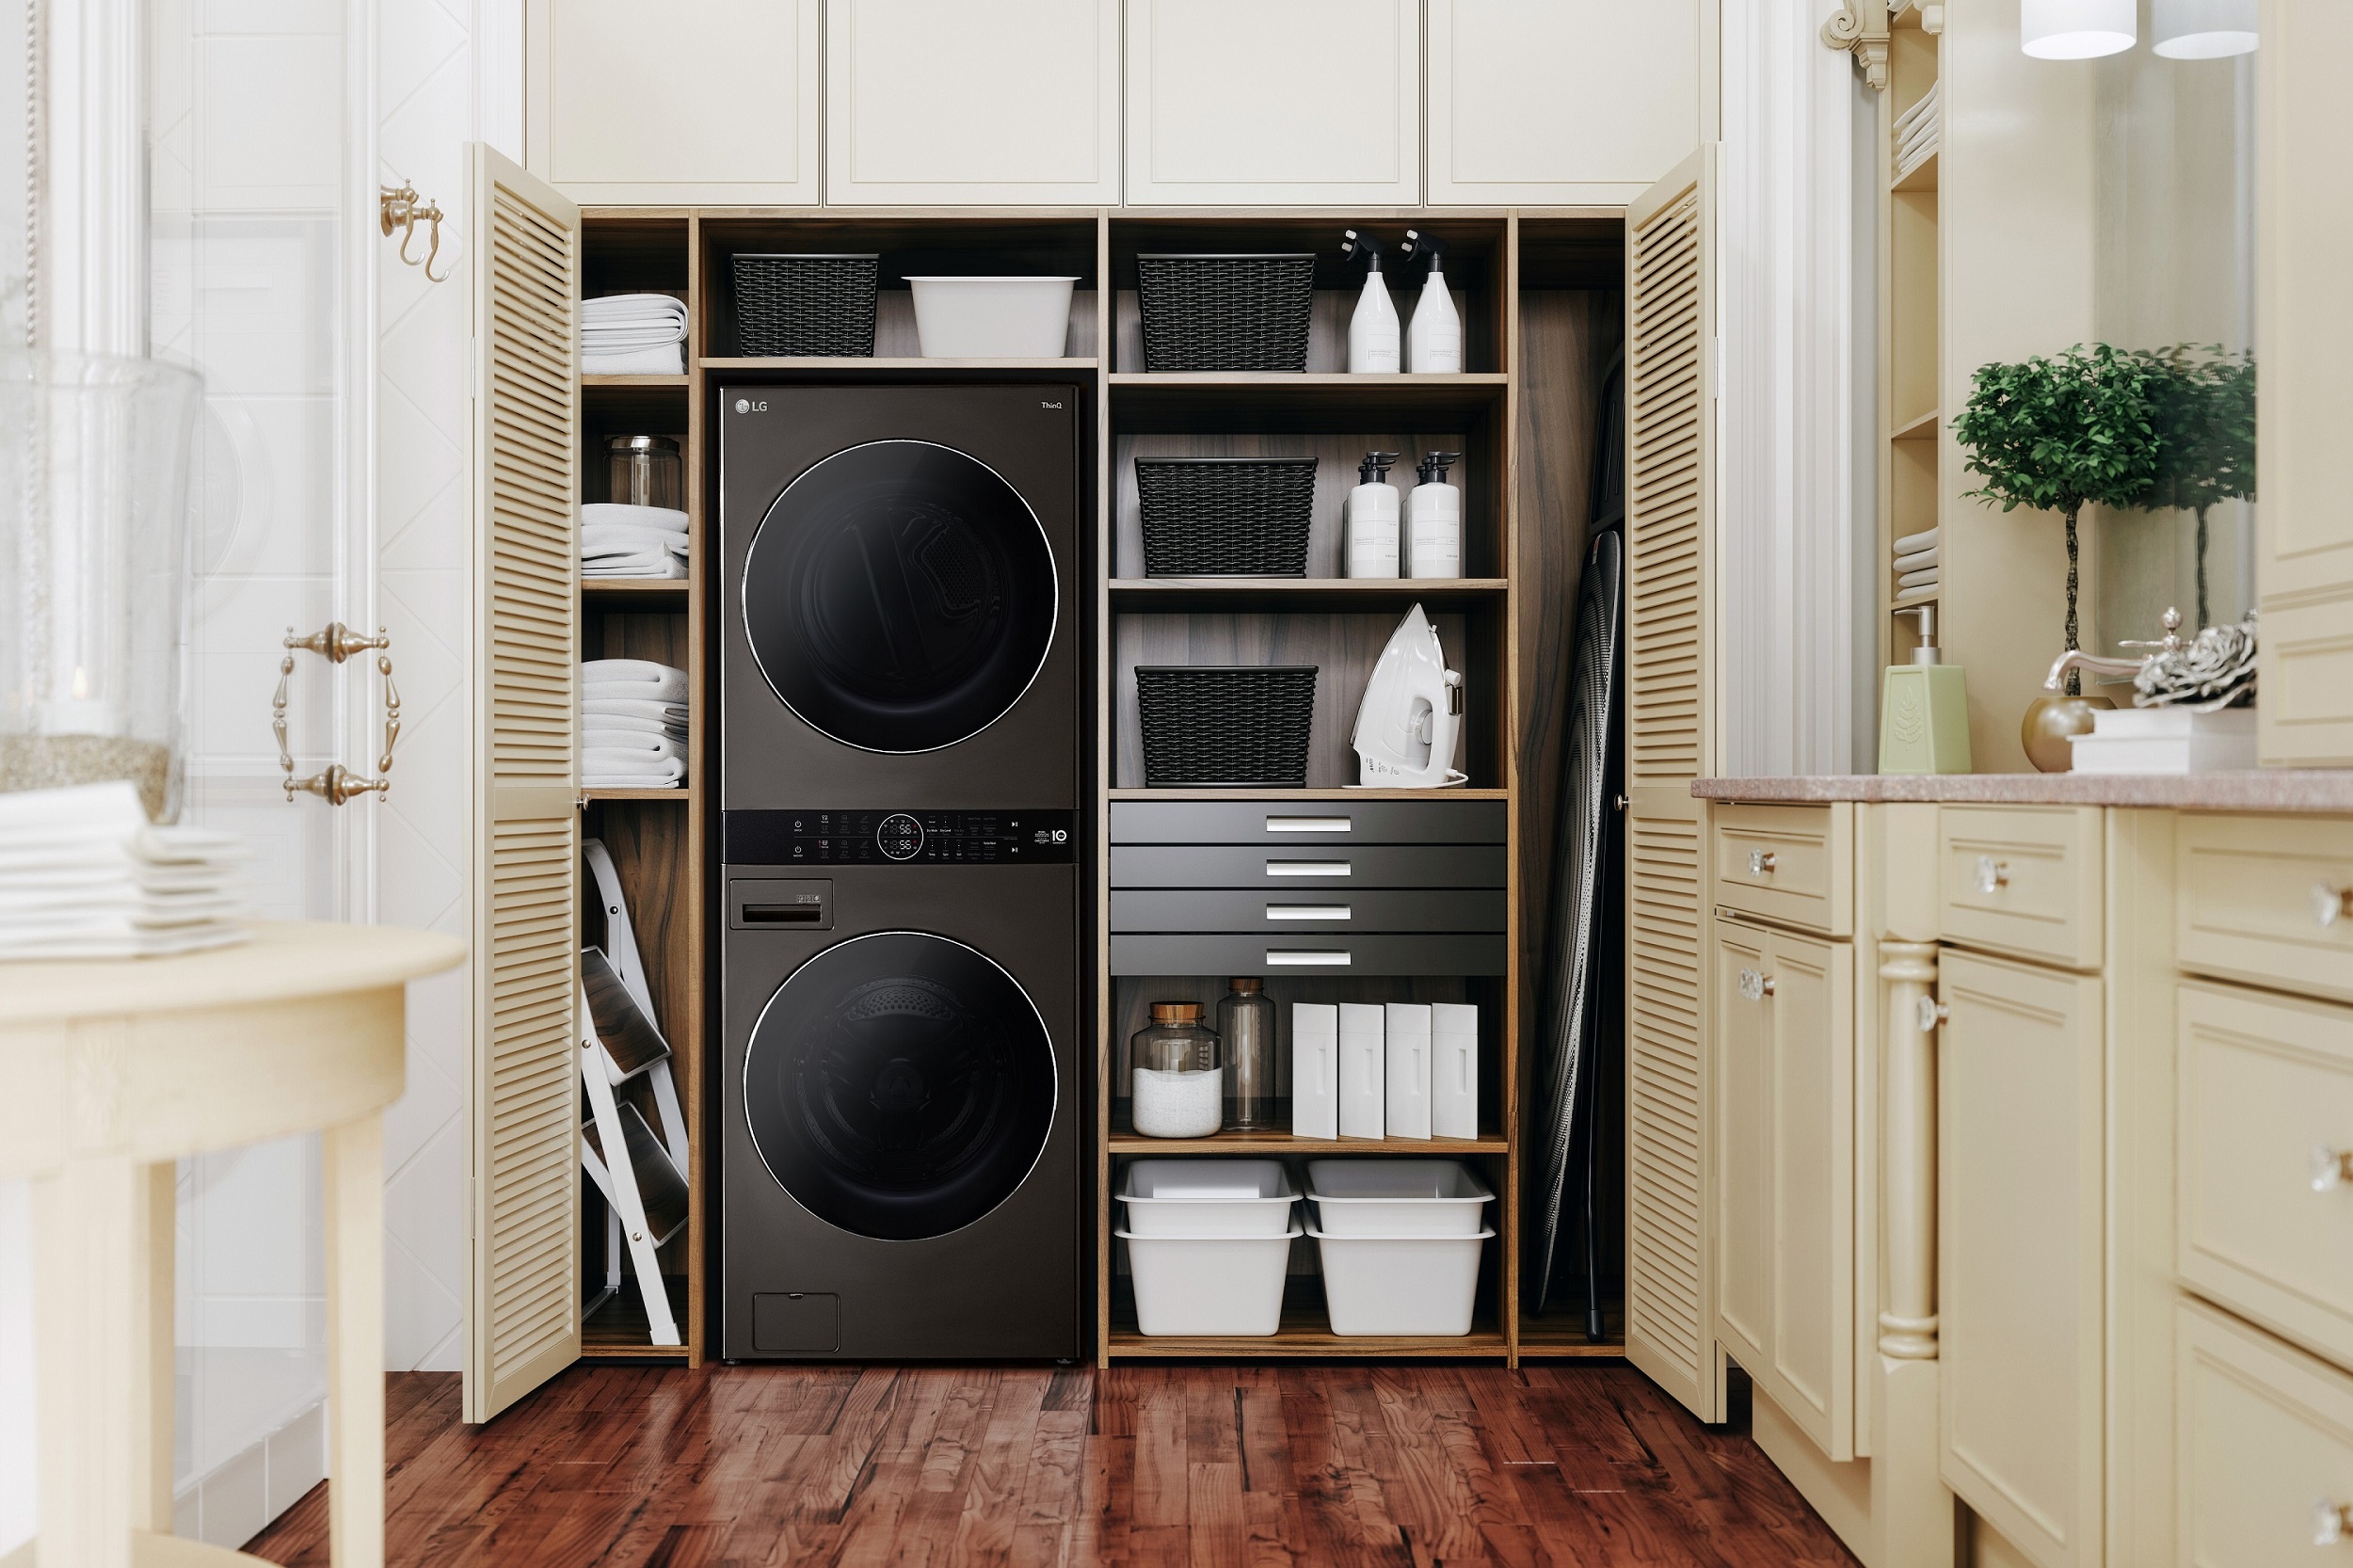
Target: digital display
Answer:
[[901, 838]]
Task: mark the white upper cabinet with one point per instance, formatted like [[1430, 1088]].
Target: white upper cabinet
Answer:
[[1256, 103], [714, 101], [1561, 101], [972, 103]]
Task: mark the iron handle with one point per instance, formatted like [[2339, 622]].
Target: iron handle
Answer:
[[2331, 903], [1991, 874]]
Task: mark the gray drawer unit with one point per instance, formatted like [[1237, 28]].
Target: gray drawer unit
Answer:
[[1278, 958], [1288, 912], [1290, 867], [1308, 822]]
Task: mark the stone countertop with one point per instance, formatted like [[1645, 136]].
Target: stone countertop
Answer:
[[2252, 789]]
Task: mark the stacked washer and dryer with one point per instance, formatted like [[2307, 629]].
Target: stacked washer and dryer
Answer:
[[901, 678]]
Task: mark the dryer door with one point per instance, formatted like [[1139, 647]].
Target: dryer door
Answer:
[[900, 596], [900, 1085]]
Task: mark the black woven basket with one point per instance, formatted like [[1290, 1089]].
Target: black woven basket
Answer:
[[1241, 725], [1226, 517], [1226, 312], [817, 305]]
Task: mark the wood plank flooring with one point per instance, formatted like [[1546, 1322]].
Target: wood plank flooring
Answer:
[[1402, 1467]]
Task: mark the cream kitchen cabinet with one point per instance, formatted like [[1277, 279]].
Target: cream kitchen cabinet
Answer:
[[948, 103], [1564, 101], [713, 103], [1308, 102]]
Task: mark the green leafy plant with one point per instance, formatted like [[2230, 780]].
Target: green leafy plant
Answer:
[[2201, 404], [2060, 434]]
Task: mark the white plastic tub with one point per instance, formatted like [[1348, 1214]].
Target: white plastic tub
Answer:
[[1396, 1197], [1208, 1198], [992, 318], [1209, 1284], [1422, 1286]]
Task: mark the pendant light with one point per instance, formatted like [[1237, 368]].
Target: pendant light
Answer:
[[2077, 29], [2204, 29]]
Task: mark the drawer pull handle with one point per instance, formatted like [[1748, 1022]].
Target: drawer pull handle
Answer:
[[1928, 1013], [1755, 986], [1308, 824], [1991, 874], [1310, 912], [2330, 1520], [2331, 903], [2331, 1168], [1279, 959], [1308, 868], [1761, 862]]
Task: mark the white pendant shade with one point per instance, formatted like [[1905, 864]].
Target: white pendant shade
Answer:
[[2204, 29], [2077, 29]]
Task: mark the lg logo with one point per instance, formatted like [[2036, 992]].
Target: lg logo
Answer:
[[746, 405]]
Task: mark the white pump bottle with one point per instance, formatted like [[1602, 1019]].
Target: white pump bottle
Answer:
[[1433, 344], [1369, 523], [1372, 334], [1434, 519]]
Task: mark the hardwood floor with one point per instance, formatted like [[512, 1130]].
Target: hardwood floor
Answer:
[[1368, 1464]]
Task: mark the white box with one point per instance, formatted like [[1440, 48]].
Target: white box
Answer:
[[1208, 1198], [1364, 1068], [2166, 740], [1400, 1284], [1314, 1070], [1453, 1069], [992, 318], [1396, 1197], [1209, 1283], [1408, 1112]]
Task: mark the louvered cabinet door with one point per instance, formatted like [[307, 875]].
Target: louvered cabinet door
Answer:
[[1671, 740], [524, 1161]]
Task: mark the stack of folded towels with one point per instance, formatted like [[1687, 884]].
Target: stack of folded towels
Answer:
[[633, 334], [1916, 570], [617, 540], [632, 723], [83, 875], [1915, 134]]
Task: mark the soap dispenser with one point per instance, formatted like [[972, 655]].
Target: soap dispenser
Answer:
[[1434, 519], [1433, 344], [1368, 523], [1372, 339], [1924, 718]]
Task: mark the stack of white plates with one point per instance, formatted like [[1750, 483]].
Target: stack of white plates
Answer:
[[83, 875]]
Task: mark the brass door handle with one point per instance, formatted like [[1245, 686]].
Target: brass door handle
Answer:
[[336, 784]]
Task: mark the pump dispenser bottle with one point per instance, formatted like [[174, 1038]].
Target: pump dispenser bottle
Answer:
[[1433, 344], [1924, 718], [1434, 519], [1369, 525], [1372, 337]]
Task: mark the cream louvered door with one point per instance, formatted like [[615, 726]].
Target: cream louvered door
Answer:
[[523, 1158], [1671, 727]]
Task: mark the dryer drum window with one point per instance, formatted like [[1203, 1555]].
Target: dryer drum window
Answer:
[[899, 595], [900, 1085]]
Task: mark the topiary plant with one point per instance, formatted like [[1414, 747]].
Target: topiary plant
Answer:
[[2060, 434], [2202, 403]]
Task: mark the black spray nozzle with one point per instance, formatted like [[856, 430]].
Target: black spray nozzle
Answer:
[[1356, 242], [1434, 464], [1375, 468], [1428, 246]]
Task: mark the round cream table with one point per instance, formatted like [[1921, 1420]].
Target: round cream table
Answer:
[[113, 1071]]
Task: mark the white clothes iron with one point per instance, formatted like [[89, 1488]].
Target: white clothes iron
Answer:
[[1412, 713]]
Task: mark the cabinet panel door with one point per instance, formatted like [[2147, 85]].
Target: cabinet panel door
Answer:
[[1561, 101], [714, 102], [1238, 101], [1809, 1115], [2019, 1159], [948, 101], [1741, 1110]]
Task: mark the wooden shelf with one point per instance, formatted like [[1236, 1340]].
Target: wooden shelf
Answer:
[[592, 382], [635, 587], [1918, 427], [1922, 178], [1304, 1331], [1561, 1336], [1253, 792], [615, 1327], [1489, 1141], [1271, 402], [1325, 595], [594, 795], [1290, 379], [853, 364]]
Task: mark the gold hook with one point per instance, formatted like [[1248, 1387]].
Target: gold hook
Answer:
[[402, 208]]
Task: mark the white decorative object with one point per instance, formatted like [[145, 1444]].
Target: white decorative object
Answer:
[[2168, 741], [2204, 29], [1454, 1069], [1364, 1069], [1407, 1111], [1314, 1070], [2077, 29]]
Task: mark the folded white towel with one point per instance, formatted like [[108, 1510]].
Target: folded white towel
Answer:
[[594, 670], [666, 360], [670, 689], [1913, 543], [626, 770], [647, 750], [617, 538], [600, 514], [653, 566], [1919, 560], [614, 340], [632, 307], [672, 714], [1908, 595], [612, 724], [1924, 578]]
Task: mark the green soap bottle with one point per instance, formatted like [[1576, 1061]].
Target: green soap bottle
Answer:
[[1924, 712]]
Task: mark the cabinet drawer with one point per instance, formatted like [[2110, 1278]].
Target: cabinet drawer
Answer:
[[2264, 899], [1286, 868], [1308, 822], [1794, 864], [2265, 1084], [1286, 913], [1309, 955], [2023, 880], [2263, 1439]]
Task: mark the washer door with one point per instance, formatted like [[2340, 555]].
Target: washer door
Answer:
[[900, 596], [900, 1085]]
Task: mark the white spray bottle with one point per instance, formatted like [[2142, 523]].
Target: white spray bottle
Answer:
[[1433, 344], [1372, 337], [1368, 525], [1434, 519]]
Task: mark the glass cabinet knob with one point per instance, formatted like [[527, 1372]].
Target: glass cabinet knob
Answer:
[[2329, 1521], [1992, 874], [1928, 1013], [1760, 862], [2331, 1168], [1755, 986], [2331, 904]]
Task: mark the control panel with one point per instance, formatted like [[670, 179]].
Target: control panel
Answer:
[[901, 838]]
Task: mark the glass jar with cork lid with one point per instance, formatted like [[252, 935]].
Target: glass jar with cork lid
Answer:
[[1178, 1073]]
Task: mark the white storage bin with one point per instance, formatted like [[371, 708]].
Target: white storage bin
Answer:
[[1208, 1198], [1396, 1197], [1387, 1285], [1209, 1284], [992, 318]]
